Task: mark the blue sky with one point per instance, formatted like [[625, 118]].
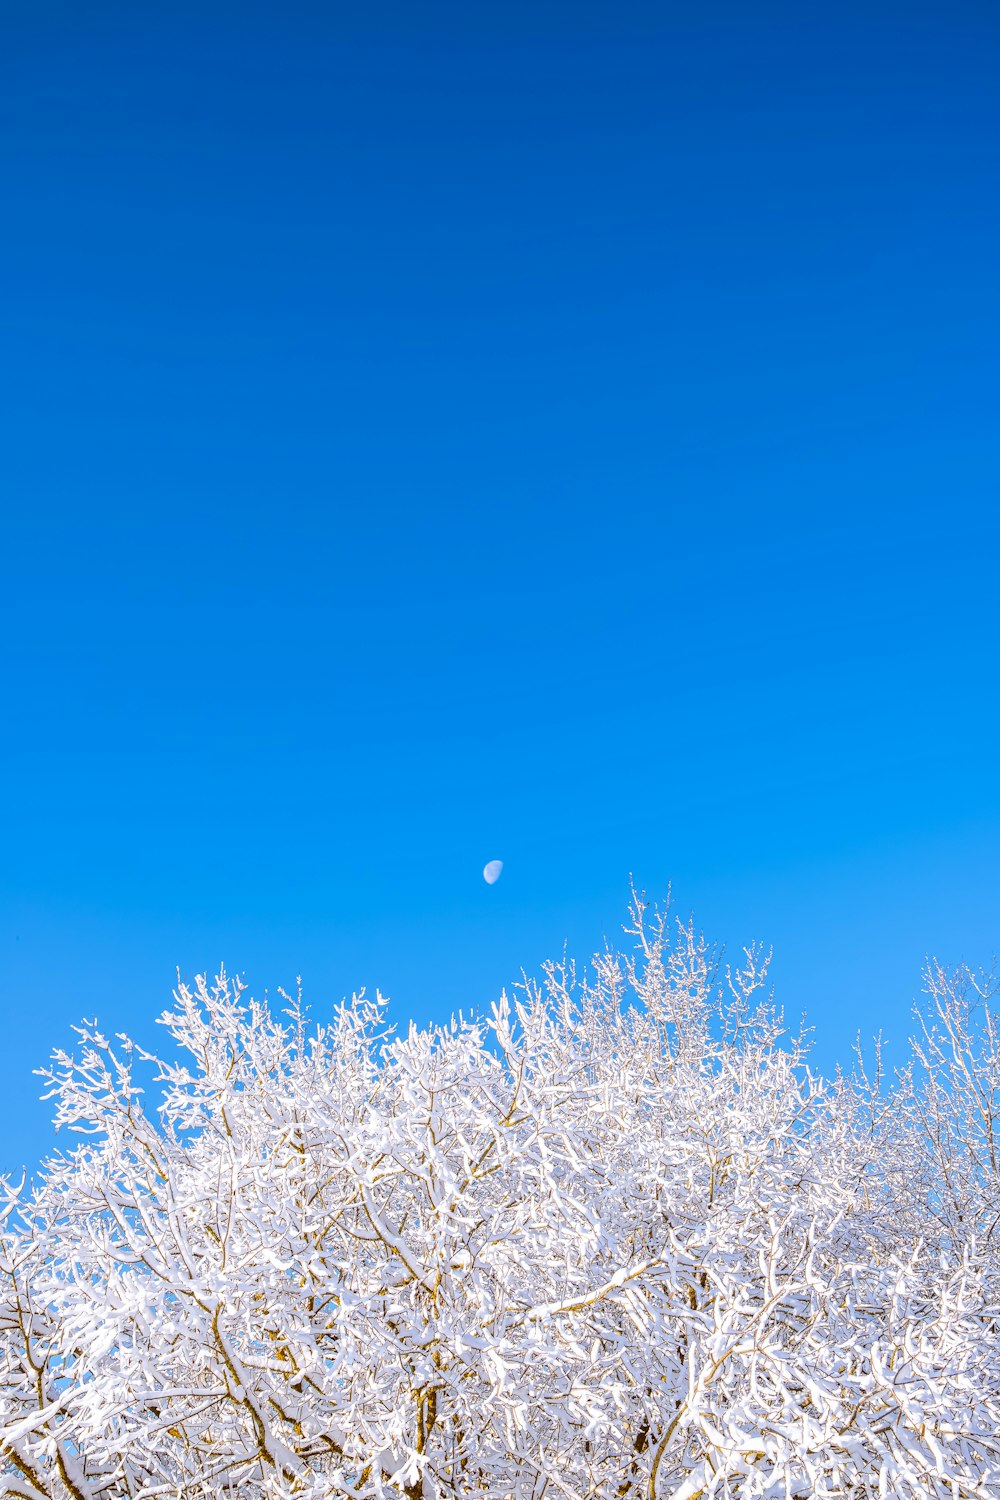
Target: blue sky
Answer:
[[564, 433]]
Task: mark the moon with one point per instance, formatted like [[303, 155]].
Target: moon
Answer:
[[491, 871]]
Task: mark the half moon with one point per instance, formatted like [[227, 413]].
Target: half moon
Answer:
[[491, 872]]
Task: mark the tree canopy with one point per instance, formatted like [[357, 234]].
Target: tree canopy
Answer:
[[614, 1240]]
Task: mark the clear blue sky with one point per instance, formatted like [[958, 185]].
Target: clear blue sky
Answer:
[[558, 432]]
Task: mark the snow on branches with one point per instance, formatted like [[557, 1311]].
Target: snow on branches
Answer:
[[614, 1240]]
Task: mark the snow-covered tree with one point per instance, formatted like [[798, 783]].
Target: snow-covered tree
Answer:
[[614, 1240]]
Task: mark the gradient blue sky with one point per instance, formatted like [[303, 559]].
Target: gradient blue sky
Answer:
[[564, 433]]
